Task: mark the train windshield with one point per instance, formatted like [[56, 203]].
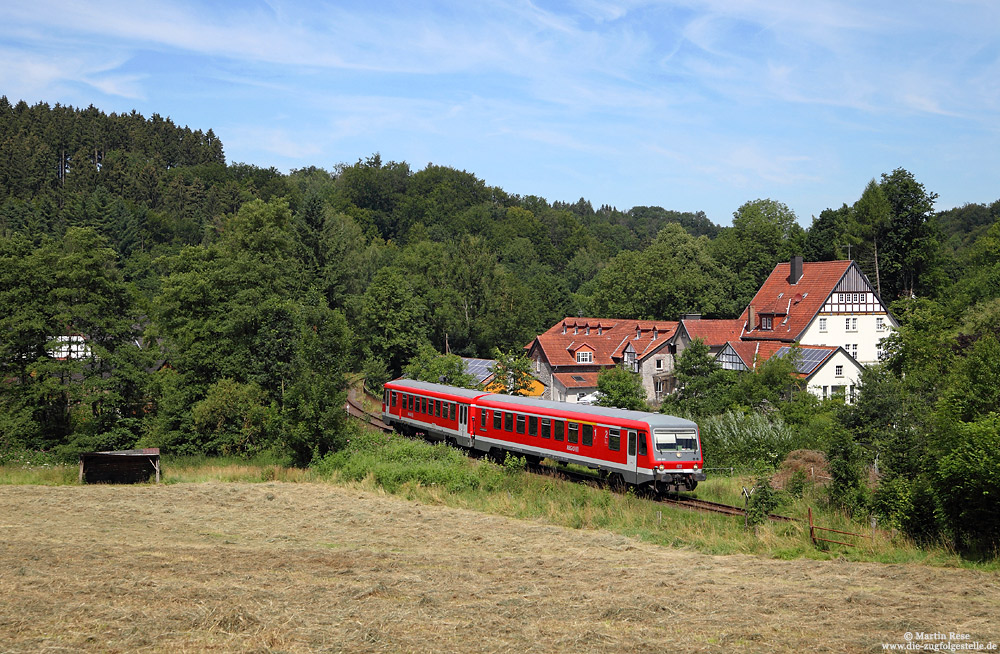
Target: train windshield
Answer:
[[675, 441]]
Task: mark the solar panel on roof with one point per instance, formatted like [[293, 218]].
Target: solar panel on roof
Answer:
[[809, 359], [479, 368]]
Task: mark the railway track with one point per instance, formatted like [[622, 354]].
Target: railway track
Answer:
[[356, 409]]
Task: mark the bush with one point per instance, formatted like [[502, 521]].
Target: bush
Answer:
[[847, 489], [764, 499]]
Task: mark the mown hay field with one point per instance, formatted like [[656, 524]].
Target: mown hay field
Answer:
[[304, 567]]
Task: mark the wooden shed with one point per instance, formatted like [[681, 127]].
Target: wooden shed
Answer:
[[120, 467]]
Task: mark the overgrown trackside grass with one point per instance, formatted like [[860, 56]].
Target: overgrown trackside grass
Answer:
[[438, 474]]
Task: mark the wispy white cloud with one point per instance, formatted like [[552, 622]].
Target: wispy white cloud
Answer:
[[756, 95]]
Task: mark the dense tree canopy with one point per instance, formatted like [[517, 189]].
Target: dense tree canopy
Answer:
[[152, 293]]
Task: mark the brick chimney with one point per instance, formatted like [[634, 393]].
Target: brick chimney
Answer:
[[795, 270], [751, 319]]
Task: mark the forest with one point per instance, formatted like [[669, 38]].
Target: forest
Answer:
[[154, 295]]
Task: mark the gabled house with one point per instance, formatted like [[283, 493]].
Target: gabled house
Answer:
[[568, 357], [827, 370], [820, 303]]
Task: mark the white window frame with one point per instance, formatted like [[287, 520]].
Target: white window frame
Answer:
[[838, 371], [659, 364], [766, 323], [584, 357], [822, 325]]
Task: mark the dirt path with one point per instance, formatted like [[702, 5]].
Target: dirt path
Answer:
[[313, 567]]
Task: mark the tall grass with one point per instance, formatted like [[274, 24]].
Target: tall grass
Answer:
[[733, 439]]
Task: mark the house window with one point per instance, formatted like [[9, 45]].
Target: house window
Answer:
[[839, 371], [766, 322], [659, 364], [854, 350], [584, 357], [840, 297], [854, 324], [538, 364], [880, 324], [822, 324], [826, 392]]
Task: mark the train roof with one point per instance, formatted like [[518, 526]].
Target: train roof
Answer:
[[654, 419], [403, 384]]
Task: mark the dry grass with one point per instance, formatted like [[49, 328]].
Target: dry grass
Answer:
[[313, 567]]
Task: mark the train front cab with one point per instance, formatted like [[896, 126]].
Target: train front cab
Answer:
[[674, 459]]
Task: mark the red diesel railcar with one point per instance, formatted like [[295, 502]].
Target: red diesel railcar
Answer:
[[629, 446]]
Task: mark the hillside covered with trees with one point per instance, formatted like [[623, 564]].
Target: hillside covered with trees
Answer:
[[216, 307]]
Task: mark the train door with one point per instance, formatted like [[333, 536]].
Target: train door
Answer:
[[464, 437], [633, 438]]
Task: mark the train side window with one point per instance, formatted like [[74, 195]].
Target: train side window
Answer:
[[614, 440], [482, 420], [546, 428], [588, 434], [439, 408], [532, 426], [392, 398], [574, 431], [423, 405], [520, 424], [412, 400], [642, 443], [453, 411], [508, 421], [631, 443], [557, 430], [497, 420]]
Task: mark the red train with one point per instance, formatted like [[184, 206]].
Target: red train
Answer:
[[634, 447]]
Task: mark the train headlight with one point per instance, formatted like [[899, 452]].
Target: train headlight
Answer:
[[663, 467]]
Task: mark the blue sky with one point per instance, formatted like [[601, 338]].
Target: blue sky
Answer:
[[690, 105]]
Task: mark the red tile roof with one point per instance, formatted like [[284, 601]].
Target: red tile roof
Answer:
[[589, 379], [715, 333], [793, 305], [608, 339]]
